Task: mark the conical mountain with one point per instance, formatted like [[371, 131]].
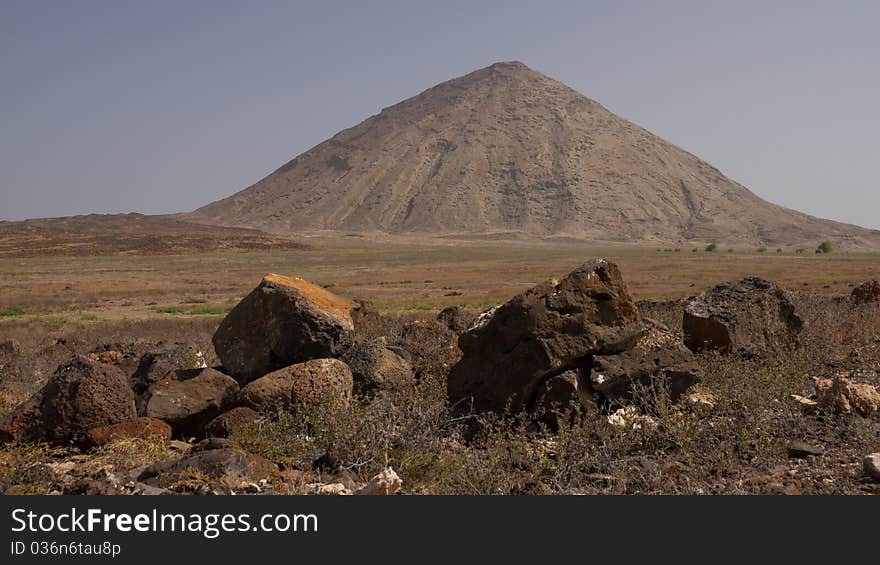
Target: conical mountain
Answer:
[[507, 149]]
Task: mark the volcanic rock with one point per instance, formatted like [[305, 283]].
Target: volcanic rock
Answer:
[[674, 366], [375, 366], [555, 326], [751, 315], [155, 365], [319, 383], [231, 422], [285, 320], [187, 400], [139, 428], [82, 394], [455, 318]]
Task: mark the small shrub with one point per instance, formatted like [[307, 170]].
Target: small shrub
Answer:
[[712, 247], [824, 247], [10, 312]]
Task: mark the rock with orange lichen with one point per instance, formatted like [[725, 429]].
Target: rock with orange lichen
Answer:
[[285, 320], [139, 428]]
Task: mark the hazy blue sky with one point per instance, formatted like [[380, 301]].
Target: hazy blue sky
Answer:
[[110, 106]]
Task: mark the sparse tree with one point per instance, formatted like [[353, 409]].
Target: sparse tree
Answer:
[[824, 247], [712, 247]]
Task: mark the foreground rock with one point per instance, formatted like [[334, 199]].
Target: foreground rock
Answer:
[[231, 422], [285, 320], [154, 366], [385, 483], [319, 383], [674, 366], [510, 351], [139, 428], [867, 292], [455, 318], [188, 400], [230, 467], [841, 395], [872, 466], [375, 366], [751, 315], [81, 395], [555, 396]]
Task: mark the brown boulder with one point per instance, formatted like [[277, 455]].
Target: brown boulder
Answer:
[[554, 326], [455, 318], [155, 365], [187, 400], [322, 383], [139, 428], [285, 320], [82, 394], [556, 396], [674, 366], [232, 422], [866, 292], [375, 366], [367, 320], [316, 383], [841, 395], [751, 315]]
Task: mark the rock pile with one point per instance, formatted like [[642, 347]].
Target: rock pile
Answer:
[[279, 348]]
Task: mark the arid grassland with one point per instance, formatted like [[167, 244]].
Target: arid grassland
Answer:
[[756, 438]]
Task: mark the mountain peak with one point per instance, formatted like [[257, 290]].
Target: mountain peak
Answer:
[[507, 149]]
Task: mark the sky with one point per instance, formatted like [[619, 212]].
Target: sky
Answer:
[[163, 106]]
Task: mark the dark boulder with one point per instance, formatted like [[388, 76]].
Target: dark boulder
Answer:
[[82, 394], [672, 366], [510, 351], [155, 365], [188, 400], [751, 315], [455, 318], [232, 422], [375, 366]]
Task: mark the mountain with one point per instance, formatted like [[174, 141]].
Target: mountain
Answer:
[[506, 149]]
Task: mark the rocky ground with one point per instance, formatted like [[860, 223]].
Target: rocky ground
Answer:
[[571, 387]]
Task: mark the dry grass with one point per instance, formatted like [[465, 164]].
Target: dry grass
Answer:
[[412, 276]]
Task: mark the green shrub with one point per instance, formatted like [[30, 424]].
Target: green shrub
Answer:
[[824, 247], [712, 247]]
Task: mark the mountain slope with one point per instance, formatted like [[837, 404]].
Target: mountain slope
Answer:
[[507, 149]]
